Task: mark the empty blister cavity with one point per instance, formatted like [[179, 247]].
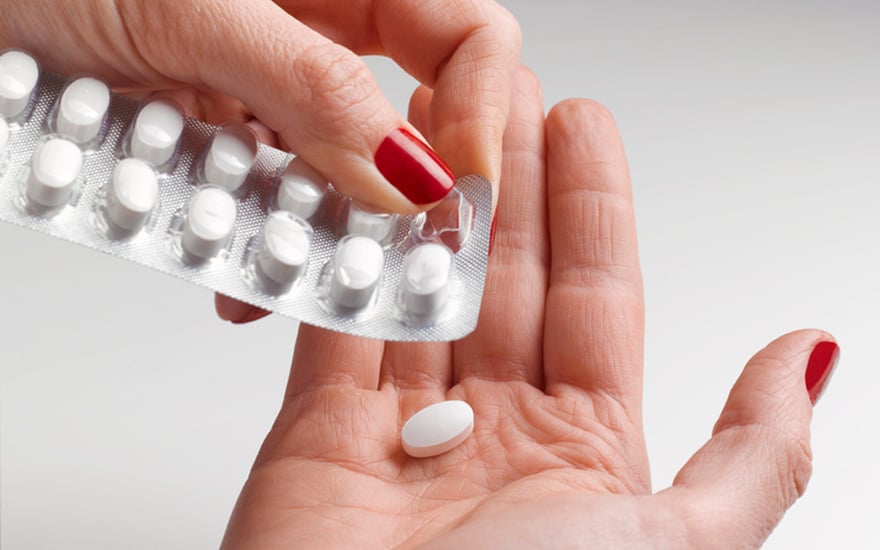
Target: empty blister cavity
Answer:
[[449, 222], [19, 74], [283, 254], [379, 226], [357, 269], [82, 109], [54, 169], [132, 194], [301, 189], [427, 274], [230, 157], [156, 131], [207, 228]]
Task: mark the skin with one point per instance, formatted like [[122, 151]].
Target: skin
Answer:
[[295, 67], [557, 458]]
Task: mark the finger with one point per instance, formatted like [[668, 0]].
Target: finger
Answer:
[[758, 461], [465, 50], [595, 317], [230, 309], [318, 95], [419, 109], [420, 373], [507, 344], [325, 359]]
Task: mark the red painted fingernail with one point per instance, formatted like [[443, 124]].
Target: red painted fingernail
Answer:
[[253, 315], [492, 232], [819, 368], [413, 168]]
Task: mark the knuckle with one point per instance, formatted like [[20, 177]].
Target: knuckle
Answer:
[[795, 468], [336, 82]]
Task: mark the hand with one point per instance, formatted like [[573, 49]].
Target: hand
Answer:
[[554, 374], [294, 66]]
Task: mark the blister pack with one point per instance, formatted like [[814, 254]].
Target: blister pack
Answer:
[[213, 206]]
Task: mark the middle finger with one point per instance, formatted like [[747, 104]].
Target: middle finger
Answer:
[[507, 344]]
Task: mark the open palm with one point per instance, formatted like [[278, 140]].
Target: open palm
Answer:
[[554, 375]]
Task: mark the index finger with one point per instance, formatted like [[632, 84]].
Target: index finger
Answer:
[[466, 50]]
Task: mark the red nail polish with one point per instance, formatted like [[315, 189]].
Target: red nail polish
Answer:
[[252, 315], [819, 368], [492, 232], [413, 168]]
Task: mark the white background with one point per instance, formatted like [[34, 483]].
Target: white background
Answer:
[[130, 414]]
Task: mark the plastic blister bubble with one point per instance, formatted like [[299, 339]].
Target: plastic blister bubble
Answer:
[[212, 206]]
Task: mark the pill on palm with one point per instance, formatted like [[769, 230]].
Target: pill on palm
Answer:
[[437, 429], [82, 109], [18, 78]]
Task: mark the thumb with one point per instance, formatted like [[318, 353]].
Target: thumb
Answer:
[[317, 95], [758, 461]]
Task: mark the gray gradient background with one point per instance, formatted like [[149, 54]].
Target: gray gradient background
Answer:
[[130, 414]]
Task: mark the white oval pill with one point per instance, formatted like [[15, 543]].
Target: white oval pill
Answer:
[[18, 78], [284, 249], [132, 194], [156, 131], [437, 429], [209, 222], [379, 226], [231, 156], [427, 270], [82, 109], [55, 165], [357, 267], [4, 135], [302, 189]]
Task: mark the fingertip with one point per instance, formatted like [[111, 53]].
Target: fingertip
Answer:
[[571, 118], [527, 84], [776, 380], [235, 311], [413, 167]]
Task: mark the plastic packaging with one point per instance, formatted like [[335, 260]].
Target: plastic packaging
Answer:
[[212, 206]]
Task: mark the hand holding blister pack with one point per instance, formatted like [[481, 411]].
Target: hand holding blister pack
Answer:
[[213, 206]]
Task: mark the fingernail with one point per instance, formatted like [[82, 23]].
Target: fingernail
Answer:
[[239, 312], [256, 313], [819, 368], [492, 232], [413, 168]]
